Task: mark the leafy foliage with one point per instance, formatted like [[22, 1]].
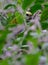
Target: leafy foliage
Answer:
[[30, 59], [22, 42], [35, 7], [19, 18], [27, 3], [44, 15], [10, 5]]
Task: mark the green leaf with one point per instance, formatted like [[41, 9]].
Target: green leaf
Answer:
[[35, 7], [27, 3], [38, 31], [4, 34], [45, 4], [19, 18], [44, 24], [32, 59], [1, 46], [9, 5], [32, 39], [4, 62], [44, 15], [2, 39], [19, 1], [39, 1]]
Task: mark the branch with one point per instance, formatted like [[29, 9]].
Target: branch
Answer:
[[6, 11]]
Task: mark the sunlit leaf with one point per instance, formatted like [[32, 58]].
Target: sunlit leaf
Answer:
[[4, 62], [36, 7], [2, 39], [39, 1], [27, 3], [19, 18], [20, 1], [44, 15], [44, 24], [32, 59]]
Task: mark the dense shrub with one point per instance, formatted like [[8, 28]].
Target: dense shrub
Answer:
[[24, 33]]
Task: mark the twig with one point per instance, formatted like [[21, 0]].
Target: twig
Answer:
[[6, 11]]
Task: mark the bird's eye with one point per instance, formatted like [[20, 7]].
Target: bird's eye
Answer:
[[28, 13]]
